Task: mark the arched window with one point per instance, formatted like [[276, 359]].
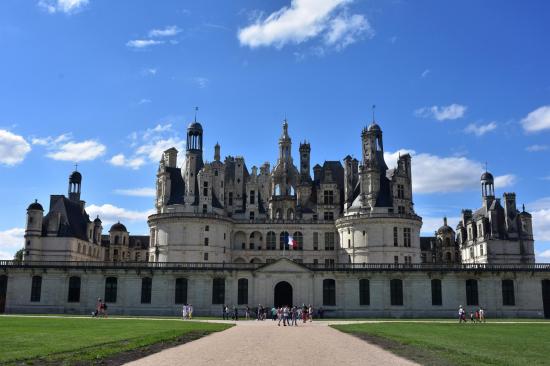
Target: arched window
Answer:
[[448, 242], [396, 292], [242, 291], [471, 292], [117, 239], [110, 289], [181, 291], [437, 298], [218, 291], [271, 240], [448, 257], [278, 214], [283, 240], [74, 289], [364, 292], [207, 228], [277, 189], [146, 287], [299, 240], [329, 292], [36, 288]]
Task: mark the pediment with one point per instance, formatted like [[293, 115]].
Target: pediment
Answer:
[[283, 265]]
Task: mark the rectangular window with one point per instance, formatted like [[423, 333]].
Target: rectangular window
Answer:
[[230, 199], [328, 216], [218, 291], [205, 189], [242, 291], [400, 191], [481, 250], [407, 236], [395, 237], [508, 296], [396, 292], [315, 262], [401, 210], [329, 292], [204, 209], [329, 241], [205, 256], [110, 289], [315, 241], [205, 242], [252, 198], [471, 292], [396, 259], [328, 197], [74, 289], [364, 292], [437, 298], [146, 287], [181, 291], [36, 288], [251, 215], [329, 262]]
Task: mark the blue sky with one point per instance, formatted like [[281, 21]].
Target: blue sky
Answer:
[[110, 84]]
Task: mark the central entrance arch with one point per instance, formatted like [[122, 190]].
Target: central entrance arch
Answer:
[[283, 294]]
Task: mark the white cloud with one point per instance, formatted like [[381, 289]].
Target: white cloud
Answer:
[[11, 241], [143, 43], [537, 120], [201, 82], [304, 20], [535, 148], [544, 255], [110, 214], [431, 224], [541, 224], [155, 149], [121, 160], [441, 113], [49, 141], [393, 39], [13, 148], [63, 6], [168, 31], [425, 73], [78, 151], [345, 30], [503, 181], [137, 192], [149, 71], [480, 130], [144, 101], [149, 145], [453, 173]]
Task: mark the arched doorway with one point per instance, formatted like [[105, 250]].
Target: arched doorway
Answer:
[[283, 294]]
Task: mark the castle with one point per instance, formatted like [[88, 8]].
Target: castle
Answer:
[[346, 238], [222, 212]]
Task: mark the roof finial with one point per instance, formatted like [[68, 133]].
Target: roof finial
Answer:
[[196, 110], [485, 167], [373, 107], [523, 207], [76, 167]]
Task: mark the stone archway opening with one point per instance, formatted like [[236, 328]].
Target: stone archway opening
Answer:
[[283, 294]]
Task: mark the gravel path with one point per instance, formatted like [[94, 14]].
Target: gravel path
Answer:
[[264, 343]]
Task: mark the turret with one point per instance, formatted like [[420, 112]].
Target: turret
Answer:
[[75, 181], [97, 230], [193, 161], [285, 144], [33, 229], [305, 152], [487, 189], [217, 152], [170, 157]]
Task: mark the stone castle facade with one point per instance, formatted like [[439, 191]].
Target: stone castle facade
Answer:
[[348, 212], [221, 235]]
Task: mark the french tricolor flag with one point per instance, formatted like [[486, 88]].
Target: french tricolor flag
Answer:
[[292, 243]]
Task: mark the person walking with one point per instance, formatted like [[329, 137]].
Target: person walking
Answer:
[[294, 315], [247, 313], [304, 313], [481, 315], [224, 312], [279, 315], [310, 313], [286, 314], [461, 314], [236, 312], [273, 313], [184, 311], [190, 311]]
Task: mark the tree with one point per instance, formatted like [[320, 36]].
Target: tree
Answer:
[[18, 256]]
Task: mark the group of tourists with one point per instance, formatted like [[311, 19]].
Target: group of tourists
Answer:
[[477, 316], [288, 315], [100, 309], [187, 311]]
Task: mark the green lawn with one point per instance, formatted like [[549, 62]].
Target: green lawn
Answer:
[[66, 340], [461, 344]]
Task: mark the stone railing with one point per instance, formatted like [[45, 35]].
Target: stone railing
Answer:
[[343, 267]]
